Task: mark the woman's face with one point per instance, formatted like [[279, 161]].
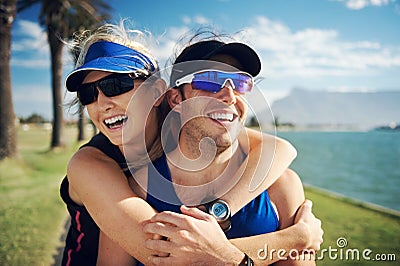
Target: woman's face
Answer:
[[111, 115]]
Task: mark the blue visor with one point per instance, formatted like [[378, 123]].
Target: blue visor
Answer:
[[109, 57]]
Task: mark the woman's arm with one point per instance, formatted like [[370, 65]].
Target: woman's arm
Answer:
[[110, 253], [269, 156], [91, 171], [287, 195], [97, 182]]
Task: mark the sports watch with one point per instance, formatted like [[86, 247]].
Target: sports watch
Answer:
[[220, 210]]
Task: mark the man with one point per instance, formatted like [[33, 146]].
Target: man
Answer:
[[209, 80]]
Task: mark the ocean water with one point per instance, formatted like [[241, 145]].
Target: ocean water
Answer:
[[360, 165]]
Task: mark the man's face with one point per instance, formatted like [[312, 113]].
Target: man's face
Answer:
[[219, 116]]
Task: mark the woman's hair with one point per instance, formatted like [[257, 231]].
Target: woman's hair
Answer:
[[135, 39]]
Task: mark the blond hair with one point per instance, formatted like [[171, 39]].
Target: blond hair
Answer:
[[137, 40]]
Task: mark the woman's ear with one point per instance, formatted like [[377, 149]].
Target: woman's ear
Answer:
[[174, 98], [160, 88]]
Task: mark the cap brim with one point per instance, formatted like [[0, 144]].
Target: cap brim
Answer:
[[246, 56]]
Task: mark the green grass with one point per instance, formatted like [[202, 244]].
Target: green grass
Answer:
[[32, 213], [362, 227]]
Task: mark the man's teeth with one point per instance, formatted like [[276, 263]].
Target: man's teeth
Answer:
[[221, 116], [115, 121]]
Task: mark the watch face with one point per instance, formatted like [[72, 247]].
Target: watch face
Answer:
[[219, 210]]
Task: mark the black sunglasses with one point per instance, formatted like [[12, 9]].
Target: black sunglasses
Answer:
[[112, 85]]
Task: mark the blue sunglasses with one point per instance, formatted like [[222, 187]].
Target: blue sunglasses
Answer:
[[214, 80]]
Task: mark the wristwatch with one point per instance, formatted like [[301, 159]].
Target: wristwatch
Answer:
[[220, 210]]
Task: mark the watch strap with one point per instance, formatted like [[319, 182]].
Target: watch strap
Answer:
[[246, 261]]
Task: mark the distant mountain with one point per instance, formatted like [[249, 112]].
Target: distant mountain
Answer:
[[343, 109]]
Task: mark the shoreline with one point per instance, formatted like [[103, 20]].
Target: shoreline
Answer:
[[356, 202]]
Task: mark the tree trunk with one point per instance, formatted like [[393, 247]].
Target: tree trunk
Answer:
[[8, 132], [56, 47], [81, 123]]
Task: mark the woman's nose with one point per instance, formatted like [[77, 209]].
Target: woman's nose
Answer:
[[104, 101]]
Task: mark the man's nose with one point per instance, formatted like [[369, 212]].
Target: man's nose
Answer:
[[227, 93]]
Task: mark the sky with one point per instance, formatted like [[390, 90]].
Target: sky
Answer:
[[331, 45]]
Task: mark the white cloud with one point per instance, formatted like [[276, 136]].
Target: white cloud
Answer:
[[30, 48], [196, 20], [315, 52], [186, 20], [201, 20], [166, 43], [26, 93], [31, 62], [360, 4], [31, 37]]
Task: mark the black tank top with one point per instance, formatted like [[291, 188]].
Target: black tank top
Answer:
[[81, 245]]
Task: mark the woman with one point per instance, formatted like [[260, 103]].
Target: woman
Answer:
[[110, 70]]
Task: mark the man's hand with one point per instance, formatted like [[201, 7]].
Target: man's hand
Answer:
[[192, 237], [310, 227]]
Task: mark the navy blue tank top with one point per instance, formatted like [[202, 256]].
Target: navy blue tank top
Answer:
[[257, 217]]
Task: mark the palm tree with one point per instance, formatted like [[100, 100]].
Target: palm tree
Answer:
[[8, 142], [81, 109], [61, 18]]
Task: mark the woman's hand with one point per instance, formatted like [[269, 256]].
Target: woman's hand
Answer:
[[191, 237], [311, 226]]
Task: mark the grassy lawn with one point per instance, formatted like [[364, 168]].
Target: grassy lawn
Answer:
[[362, 228], [32, 213]]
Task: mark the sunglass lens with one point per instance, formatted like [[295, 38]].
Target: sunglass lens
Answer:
[[117, 85], [87, 94], [111, 86], [243, 85], [206, 86], [214, 80]]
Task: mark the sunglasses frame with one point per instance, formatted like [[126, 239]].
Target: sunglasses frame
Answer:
[[188, 79]]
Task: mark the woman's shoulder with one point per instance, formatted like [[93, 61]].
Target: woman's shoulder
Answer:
[[88, 160], [88, 154]]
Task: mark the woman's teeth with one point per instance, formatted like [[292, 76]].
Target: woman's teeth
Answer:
[[115, 121]]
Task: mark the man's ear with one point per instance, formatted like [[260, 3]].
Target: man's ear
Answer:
[[159, 91], [174, 98]]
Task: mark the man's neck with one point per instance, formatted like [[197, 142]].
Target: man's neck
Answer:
[[188, 170]]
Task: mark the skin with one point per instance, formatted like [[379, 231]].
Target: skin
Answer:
[[119, 213]]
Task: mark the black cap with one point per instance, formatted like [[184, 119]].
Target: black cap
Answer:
[[204, 50]]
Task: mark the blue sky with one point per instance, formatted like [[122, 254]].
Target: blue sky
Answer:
[[336, 45]]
